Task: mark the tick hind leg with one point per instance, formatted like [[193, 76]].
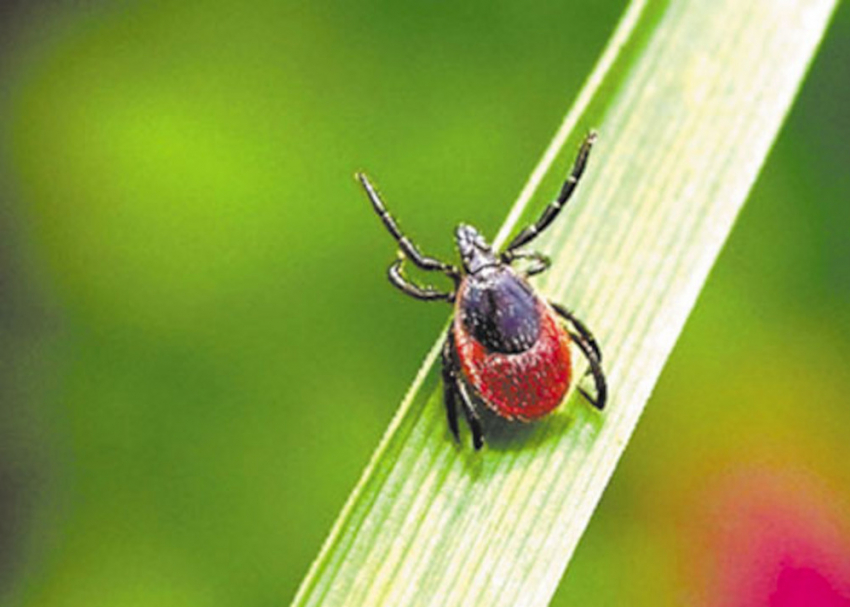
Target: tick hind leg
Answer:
[[587, 343], [580, 327], [454, 391]]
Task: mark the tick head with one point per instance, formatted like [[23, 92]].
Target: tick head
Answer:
[[474, 251]]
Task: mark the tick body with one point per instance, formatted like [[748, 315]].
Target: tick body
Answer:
[[510, 346], [507, 348]]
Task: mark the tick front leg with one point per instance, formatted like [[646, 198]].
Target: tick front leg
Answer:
[[410, 249], [551, 211]]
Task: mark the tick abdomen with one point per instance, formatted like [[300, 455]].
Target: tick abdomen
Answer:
[[524, 385]]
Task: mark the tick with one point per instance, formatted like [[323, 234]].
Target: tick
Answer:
[[507, 347]]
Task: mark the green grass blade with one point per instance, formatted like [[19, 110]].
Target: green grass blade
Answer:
[[688, 99]]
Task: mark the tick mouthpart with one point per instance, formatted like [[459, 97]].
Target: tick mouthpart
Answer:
[[468, 237], [475, 252]]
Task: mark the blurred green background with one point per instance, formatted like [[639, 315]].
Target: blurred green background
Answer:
[[199, 349]]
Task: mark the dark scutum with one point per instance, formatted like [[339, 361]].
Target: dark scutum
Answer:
[[500, 311]]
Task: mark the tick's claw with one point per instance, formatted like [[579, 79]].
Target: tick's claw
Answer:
[[477, 441], [593, 401]]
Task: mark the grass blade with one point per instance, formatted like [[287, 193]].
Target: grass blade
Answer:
[[688, 99]]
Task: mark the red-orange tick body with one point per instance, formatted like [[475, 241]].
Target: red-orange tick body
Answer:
[[507, 347]]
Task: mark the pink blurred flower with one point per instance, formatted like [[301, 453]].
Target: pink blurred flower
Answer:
[[771, 538]]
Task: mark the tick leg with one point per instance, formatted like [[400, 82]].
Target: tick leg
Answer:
[[453, 387], [540, 262], [596, 369], [471, 415], [587, 344], [407, 246], [580, 327], [450, 391], [550, 212], [398, 279]]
